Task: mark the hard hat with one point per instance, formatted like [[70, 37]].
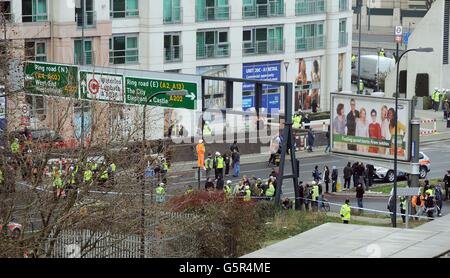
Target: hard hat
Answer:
[[436, 89], [259, 179], [247, 187], [162, 184], [217, 154], [200, 141], [229, 182], [313, 183], [443, 89]]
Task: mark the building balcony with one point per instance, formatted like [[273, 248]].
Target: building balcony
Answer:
[[311, 43], [263, 10], [90, 19], [213, 13], [262, 47], [213, 51], [343, 39], [308, 7], [34, 18], [173, 54], [175, 17]]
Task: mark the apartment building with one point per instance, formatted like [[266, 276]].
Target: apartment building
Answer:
[[303, 41]]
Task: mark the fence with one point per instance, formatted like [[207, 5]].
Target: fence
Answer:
[[428, 131], [90, 244]]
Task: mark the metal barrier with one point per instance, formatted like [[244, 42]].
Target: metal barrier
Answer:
[[428, 131]]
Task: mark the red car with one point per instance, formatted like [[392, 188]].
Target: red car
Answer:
[[14, 230]]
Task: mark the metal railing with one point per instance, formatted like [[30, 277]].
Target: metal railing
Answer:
[[213, 51], [343, 5], [309, 43], [263, 10], [123, 57], [90, 19], [214, 13], [343, 39], [306, 7], [176, 16], [173, 54], [124, 14], [262, 47]]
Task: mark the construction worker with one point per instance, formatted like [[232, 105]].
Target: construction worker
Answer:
[[209, 164], [345, 212], [361, 86], [200, 154], [436, 99], [161, 193], [58, 183], [297, 121], [206, 129], [219, 163], [381, 53], [270, 192], [104, 176], [87, 176], [353, 58], [165, 166], [189, 190], [112, 171], [315, 195], [227, 188], [248, 194], [94, 168]]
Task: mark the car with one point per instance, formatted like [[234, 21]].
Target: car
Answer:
[[388, 174], [14, 230]]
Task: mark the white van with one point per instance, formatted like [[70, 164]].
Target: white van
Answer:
[[371, 65]]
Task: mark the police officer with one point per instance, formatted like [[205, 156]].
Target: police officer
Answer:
[[247, 194], [345, 212], [270, 191], [315, 195], [219, 163], [87, 176], [161, 193], [104, 176], [436, 99], [296, 121], [227, 188], [209, 164], [112, 171]]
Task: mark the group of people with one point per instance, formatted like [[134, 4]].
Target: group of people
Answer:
[[219, 163], [367, 124], [438, 97]]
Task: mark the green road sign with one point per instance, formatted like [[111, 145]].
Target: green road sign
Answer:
[[177, 94], [51, 79], [101, 86]]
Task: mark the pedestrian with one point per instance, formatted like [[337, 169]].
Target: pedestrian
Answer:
[[345, 212], [370, 175], [391, 208], [436, 99], [403, 206], [446, 181], [420, 207], [236, 163], [270, 192], [415, 202], [327, 149], [326, 178], [219, 165], [227, 188], [247, 194], [220, 184], [439, 198], [227, 158], [161, 193], [355, 173], [429, 205], [311, 139], [307, 196], [200, 154], [234, 147], [274, 147], [287, 204], [316, 174], [301, 195], [307, 122], [334, 178], [348, 172], [209, 185], [209, 165], [359, 196]]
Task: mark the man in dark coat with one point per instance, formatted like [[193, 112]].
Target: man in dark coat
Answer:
[[310, 140], [351, 122], [348, 172]]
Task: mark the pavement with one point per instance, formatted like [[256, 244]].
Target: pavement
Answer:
[[334, 240]]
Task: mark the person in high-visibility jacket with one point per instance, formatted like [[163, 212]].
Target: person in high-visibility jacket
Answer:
[[315, 195], [104, 176], [296, 121], [353, 58], [165, 167], [15, 146], [381, 53], [112, 171], [58, 183], [270, 191], [361, 86], [161, 193], [345, 212], [219, 163], [206, 129], [73, 175], [436, 99], [189, 190], [200, 154], [87, 176], [247, 194], [227, 188], [209, 165]]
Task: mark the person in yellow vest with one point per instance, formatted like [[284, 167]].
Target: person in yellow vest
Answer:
[[87, 176], [58, 183], [219, 163], [112, 171], [296, 121], [161, 193], [73, 175], [104, 176], [227, 189], [247, 194], [206, 129], [270, 191], [436, 99], [345, 212], [361, 86], [315, 196], [209, 165], [189, 190], [165, 166], [353, 59], [200, 154], [94, 169], [381, 53]]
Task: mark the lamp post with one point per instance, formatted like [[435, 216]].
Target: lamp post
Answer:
[[286, 66], [144, 122], [427, 49], [358, 8]]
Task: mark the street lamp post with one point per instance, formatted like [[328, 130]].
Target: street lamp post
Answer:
[[286, 66], [427, 49], [359, 7]]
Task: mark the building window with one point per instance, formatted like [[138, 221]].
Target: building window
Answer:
[[212, 44], [123, 8], [123, 50], [36, 51], [343, 35], [89, 17], [343, 5], [172, 47], [309, 36], [262, 8], [263, 40], [5, 10], [172, 11], [36, 104], [306, 7], [78, 58], [34, 10], [207, 10]]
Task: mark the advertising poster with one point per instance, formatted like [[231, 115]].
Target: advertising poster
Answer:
[[307, 84], [364, 126], [101, 86], [269, 71]]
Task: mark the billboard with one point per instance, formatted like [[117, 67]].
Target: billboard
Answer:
[[270, 102], [307, 84], [101, 86], [364, 126], [269, 71]]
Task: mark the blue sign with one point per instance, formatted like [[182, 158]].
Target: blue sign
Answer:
[[149, 172], [406, 37], [269, 71], [270, 102]]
